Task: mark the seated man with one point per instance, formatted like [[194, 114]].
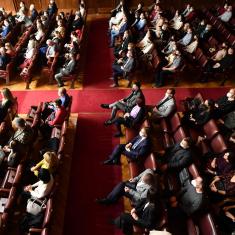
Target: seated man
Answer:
[[225, 63], [67, 69], [191, 196], [187, 38], [225, 104], [169, 69], [50, 107], [125, 66], [118, 30], [127, 103], [136, 189], [178, 156], [6, 29], [139, 147], [56, 118], [165, 106], [22, 136], [131, 119]]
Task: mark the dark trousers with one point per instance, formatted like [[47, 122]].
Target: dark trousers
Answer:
[[125, 222], [118, 191], [118, 151], [117, 71], [122, 121], [160, 76]]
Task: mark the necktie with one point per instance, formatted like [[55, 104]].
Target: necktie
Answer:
[[136, 143]]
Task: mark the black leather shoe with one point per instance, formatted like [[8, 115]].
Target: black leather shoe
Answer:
[[103, 201], [104, 106]]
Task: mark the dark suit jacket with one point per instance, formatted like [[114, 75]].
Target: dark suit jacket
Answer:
[[190, 200], [225, 106], [5, 31], [123, 28], [34, 15], [131, 99], [67, 100], [178, 158], [141, 150], [139, 118], [147, 216], [227, 61]]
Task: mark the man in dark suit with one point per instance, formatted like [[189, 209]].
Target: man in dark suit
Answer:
[[137, 148], [4, 58], [205, 34], [178, 156], [131, 119], [127, 103], [191, 196], [225, 104]]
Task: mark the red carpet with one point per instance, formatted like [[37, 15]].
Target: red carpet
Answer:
[[93, 141], [89, 179], [90, 100], [98, 66]]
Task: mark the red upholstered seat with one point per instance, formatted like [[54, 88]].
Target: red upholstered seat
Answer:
[[217, 144], [207, 225], [210, 129]]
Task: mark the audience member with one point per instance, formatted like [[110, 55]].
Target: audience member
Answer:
[[136, 149], [127, 103], [136, 189]]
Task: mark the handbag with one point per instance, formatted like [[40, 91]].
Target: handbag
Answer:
[[35, 206]]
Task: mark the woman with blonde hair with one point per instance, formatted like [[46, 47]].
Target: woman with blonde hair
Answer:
[[48, 162], [7, 101]]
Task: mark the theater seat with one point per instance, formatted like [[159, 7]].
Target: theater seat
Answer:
[[210, 129], [206, 225], [192, 228], [179, 135], [217, 144]]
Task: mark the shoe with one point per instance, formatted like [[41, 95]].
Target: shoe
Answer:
[[118, 134], [114, 85], [104, 106], [108, 122], [102, 201], [108, 162]]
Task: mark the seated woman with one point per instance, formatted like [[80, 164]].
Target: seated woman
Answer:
[[224, 184], [40, 189], [130, 119], [178, 23], [7, 102], [222, 164], [60, 28], [144, 215], [48, 162]]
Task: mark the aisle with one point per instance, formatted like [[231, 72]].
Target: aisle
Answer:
[[90, 179], [98, 58]]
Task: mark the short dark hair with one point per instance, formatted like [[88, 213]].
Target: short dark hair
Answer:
[[137, 83], [58, 102], [172, 91], [44, 175]]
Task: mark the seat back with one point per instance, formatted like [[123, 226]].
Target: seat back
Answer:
[[217, 144], [206, 225], [210, 129], [48, 213]]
